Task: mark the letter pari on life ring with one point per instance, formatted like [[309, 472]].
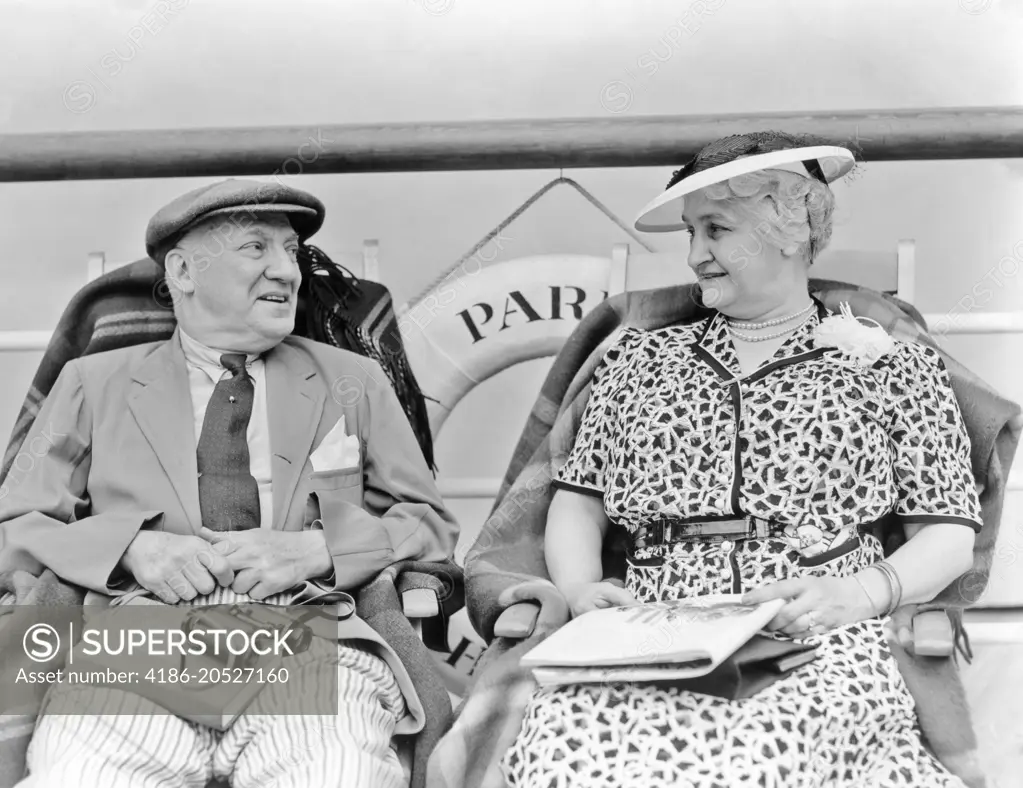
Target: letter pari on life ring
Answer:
[[474, 325]]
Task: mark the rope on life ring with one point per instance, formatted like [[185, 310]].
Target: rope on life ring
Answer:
[[490, 236]]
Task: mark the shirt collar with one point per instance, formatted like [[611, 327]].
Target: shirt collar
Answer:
[[207, 358]]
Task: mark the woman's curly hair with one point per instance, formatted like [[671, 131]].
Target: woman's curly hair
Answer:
[[785, 207]]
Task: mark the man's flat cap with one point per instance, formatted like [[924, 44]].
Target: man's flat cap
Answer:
[[231, 196]]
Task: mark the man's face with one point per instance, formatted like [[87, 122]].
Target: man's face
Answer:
[[238, 276]]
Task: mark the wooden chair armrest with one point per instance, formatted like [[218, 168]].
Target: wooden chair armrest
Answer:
[[420, 603], [932, 634], [517, 621]]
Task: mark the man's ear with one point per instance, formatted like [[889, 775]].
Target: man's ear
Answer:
[[177, 270]]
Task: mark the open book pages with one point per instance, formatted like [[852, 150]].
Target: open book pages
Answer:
[[651, 641]]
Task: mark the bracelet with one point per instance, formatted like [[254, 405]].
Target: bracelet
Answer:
[[893, 580], [896, 582], [875, 608]]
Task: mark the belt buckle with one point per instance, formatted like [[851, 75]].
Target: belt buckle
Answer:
[[655, 534], [759, 528]]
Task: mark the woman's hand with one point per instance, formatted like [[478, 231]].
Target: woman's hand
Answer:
[[900, 628], [583, 597], [815, 604]]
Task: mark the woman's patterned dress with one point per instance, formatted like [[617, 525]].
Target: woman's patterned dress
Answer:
[[811, 442]]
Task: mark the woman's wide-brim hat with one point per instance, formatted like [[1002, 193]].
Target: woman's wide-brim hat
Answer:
[[739, 155]]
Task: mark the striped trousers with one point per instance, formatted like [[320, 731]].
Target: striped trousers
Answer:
[[133, 747]]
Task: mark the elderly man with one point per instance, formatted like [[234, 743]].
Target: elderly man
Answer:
[[231, 463]]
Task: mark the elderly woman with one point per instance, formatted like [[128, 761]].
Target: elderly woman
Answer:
[[753, 452]]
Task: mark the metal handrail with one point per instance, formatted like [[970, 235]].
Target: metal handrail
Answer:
[[876, 135]]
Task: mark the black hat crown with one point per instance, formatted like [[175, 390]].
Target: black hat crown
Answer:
[[735, 146]]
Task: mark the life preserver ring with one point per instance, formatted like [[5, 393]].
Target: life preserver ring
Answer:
[[478, 323]]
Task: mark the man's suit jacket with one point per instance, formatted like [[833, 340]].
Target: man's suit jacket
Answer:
[[113, 451]]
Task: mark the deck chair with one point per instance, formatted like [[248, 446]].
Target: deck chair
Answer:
[[513, 605], [408, 604]]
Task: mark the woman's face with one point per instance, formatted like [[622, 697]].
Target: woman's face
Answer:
[[740, 273]]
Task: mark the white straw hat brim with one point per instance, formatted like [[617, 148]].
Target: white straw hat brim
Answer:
[[664, 214]]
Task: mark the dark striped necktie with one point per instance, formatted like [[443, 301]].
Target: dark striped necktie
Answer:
[[228, 493]]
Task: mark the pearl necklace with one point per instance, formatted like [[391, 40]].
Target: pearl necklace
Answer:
[[747, 338], [768, 323]]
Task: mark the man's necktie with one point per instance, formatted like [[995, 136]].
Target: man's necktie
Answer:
[[228, 494]]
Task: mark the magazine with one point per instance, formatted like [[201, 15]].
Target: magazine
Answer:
[[669, 641]]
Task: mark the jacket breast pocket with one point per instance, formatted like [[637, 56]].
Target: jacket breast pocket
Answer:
[[329, 490], [341, 479]]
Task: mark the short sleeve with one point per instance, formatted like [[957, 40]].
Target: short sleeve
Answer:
[[930, 444], [589, 462]]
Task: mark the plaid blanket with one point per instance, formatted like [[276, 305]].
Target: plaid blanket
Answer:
[[379, 605], [506, 564], [132, 305]]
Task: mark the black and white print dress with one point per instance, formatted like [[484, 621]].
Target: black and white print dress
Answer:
[[818, 446]]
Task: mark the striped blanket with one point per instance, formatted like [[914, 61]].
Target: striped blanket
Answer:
[[506, 564]]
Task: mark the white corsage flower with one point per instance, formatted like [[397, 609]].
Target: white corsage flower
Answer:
[[863, 343]]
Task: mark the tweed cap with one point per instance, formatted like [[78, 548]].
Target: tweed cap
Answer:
[[234, 195]]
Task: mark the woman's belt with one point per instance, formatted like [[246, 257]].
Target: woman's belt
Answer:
[[663, 532], [718, 529]]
